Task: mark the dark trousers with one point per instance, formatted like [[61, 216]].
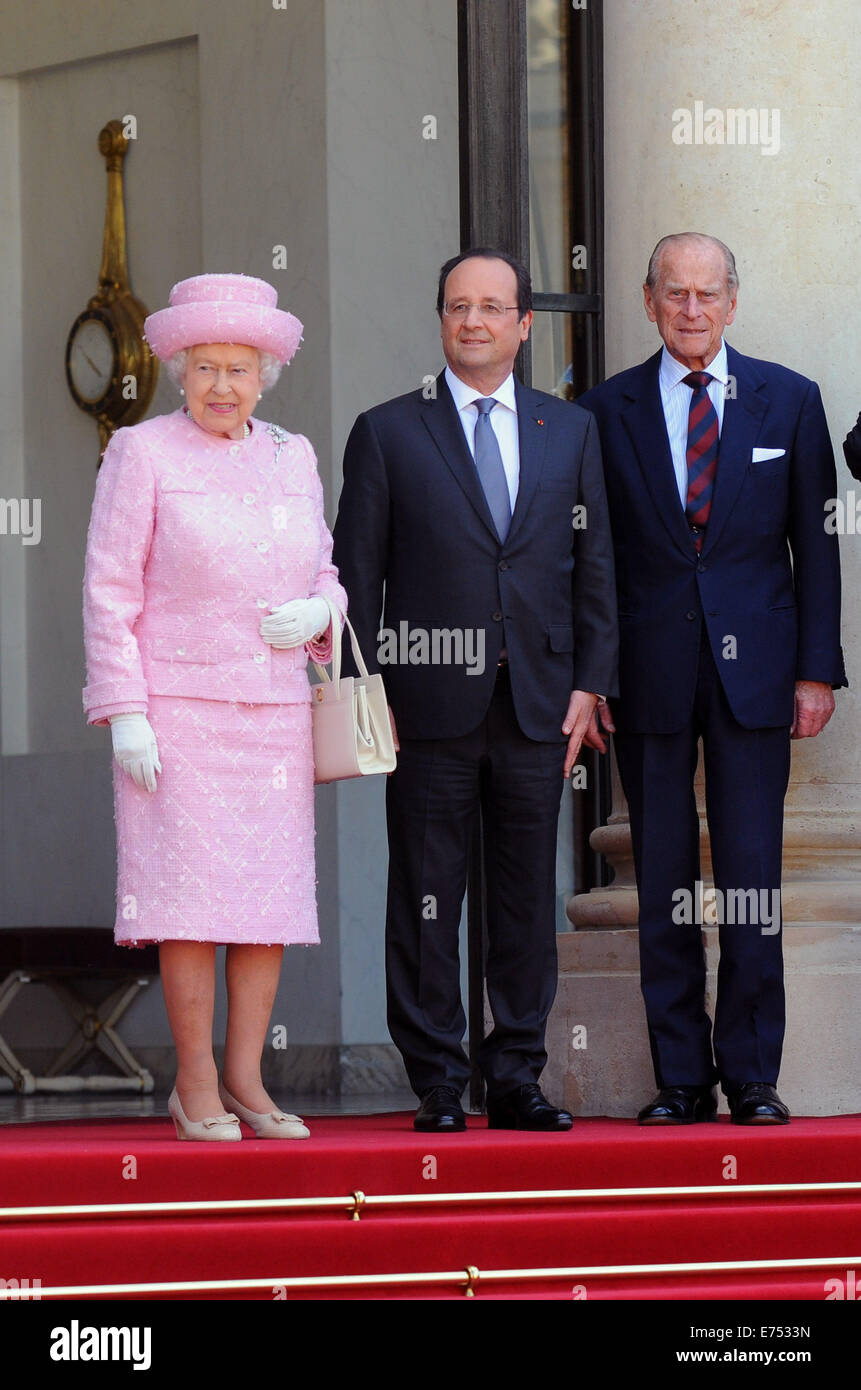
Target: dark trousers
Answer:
[[746, 773], [431, 804]]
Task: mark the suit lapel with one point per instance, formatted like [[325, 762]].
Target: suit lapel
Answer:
[[532, 438], [443, 424], [742, 417], [643, 418]]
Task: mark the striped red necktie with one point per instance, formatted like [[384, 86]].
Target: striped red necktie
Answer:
[[701, 455]]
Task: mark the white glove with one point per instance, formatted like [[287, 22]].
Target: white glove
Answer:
[[135, 748], [296, 622]]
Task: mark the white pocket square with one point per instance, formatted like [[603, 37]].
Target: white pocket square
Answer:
[[759, 455]]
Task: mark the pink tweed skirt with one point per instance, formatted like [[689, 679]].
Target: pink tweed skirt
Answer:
[[223, 851]]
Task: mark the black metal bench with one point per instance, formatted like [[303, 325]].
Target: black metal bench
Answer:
[[61, 957]]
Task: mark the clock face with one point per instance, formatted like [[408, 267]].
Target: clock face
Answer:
[[90, 359]]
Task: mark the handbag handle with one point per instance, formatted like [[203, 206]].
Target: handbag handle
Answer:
[[335, 678]]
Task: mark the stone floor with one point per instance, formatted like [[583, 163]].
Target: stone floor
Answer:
[[16, 1110]]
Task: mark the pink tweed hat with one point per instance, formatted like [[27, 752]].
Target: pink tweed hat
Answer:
[[223, 309]]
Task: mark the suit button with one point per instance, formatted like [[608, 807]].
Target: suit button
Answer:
[[497, 616], [180, 651], [248, 498], [503, 564], [701, 569], [690, 615], [262, 603], [259, 657], [234, 449], [263, 546]]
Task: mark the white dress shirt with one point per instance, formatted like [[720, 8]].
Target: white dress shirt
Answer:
[[503, 421], [676, 400]]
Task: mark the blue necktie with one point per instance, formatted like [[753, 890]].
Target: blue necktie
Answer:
[[488, 463]]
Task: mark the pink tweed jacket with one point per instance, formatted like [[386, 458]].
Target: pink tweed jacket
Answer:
[[192, 539]]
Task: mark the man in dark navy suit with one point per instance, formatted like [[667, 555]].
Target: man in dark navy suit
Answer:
[[718, 468], [473, 517]]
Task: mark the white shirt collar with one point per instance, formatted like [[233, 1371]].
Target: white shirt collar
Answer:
[[672, 371], [464, 395]]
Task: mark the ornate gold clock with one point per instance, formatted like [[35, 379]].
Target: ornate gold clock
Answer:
[[110, 369]]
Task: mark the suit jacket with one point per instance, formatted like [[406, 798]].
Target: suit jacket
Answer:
[[192, 538], [767, 582], [413, 522]]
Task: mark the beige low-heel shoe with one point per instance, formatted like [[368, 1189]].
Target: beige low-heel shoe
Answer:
[[219, 1127], [274, 1124]]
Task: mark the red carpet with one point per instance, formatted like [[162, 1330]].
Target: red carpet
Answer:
[[85, 1162]]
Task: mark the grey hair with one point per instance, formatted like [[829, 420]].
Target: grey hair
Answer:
[[270, 368], [653, 273]]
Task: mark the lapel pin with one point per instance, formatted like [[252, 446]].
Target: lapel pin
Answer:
[[539, 422]]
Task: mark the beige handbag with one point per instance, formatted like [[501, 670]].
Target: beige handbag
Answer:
[[352, 733]]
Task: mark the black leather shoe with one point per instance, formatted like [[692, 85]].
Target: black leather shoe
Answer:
[[440, 1111], [680, 1105], [525, 1108], [756, 1103]]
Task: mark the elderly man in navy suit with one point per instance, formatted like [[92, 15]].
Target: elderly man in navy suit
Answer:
[[473, 516], [718, 468]]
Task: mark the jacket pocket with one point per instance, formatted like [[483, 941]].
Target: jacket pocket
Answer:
[[767, 468], [556, 483], [203, 651], [560, 637]]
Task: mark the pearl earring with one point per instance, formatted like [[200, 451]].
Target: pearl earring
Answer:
[[260, 396], [181, 391]]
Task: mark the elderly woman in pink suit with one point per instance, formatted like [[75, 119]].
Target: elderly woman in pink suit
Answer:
[[207, 577]]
